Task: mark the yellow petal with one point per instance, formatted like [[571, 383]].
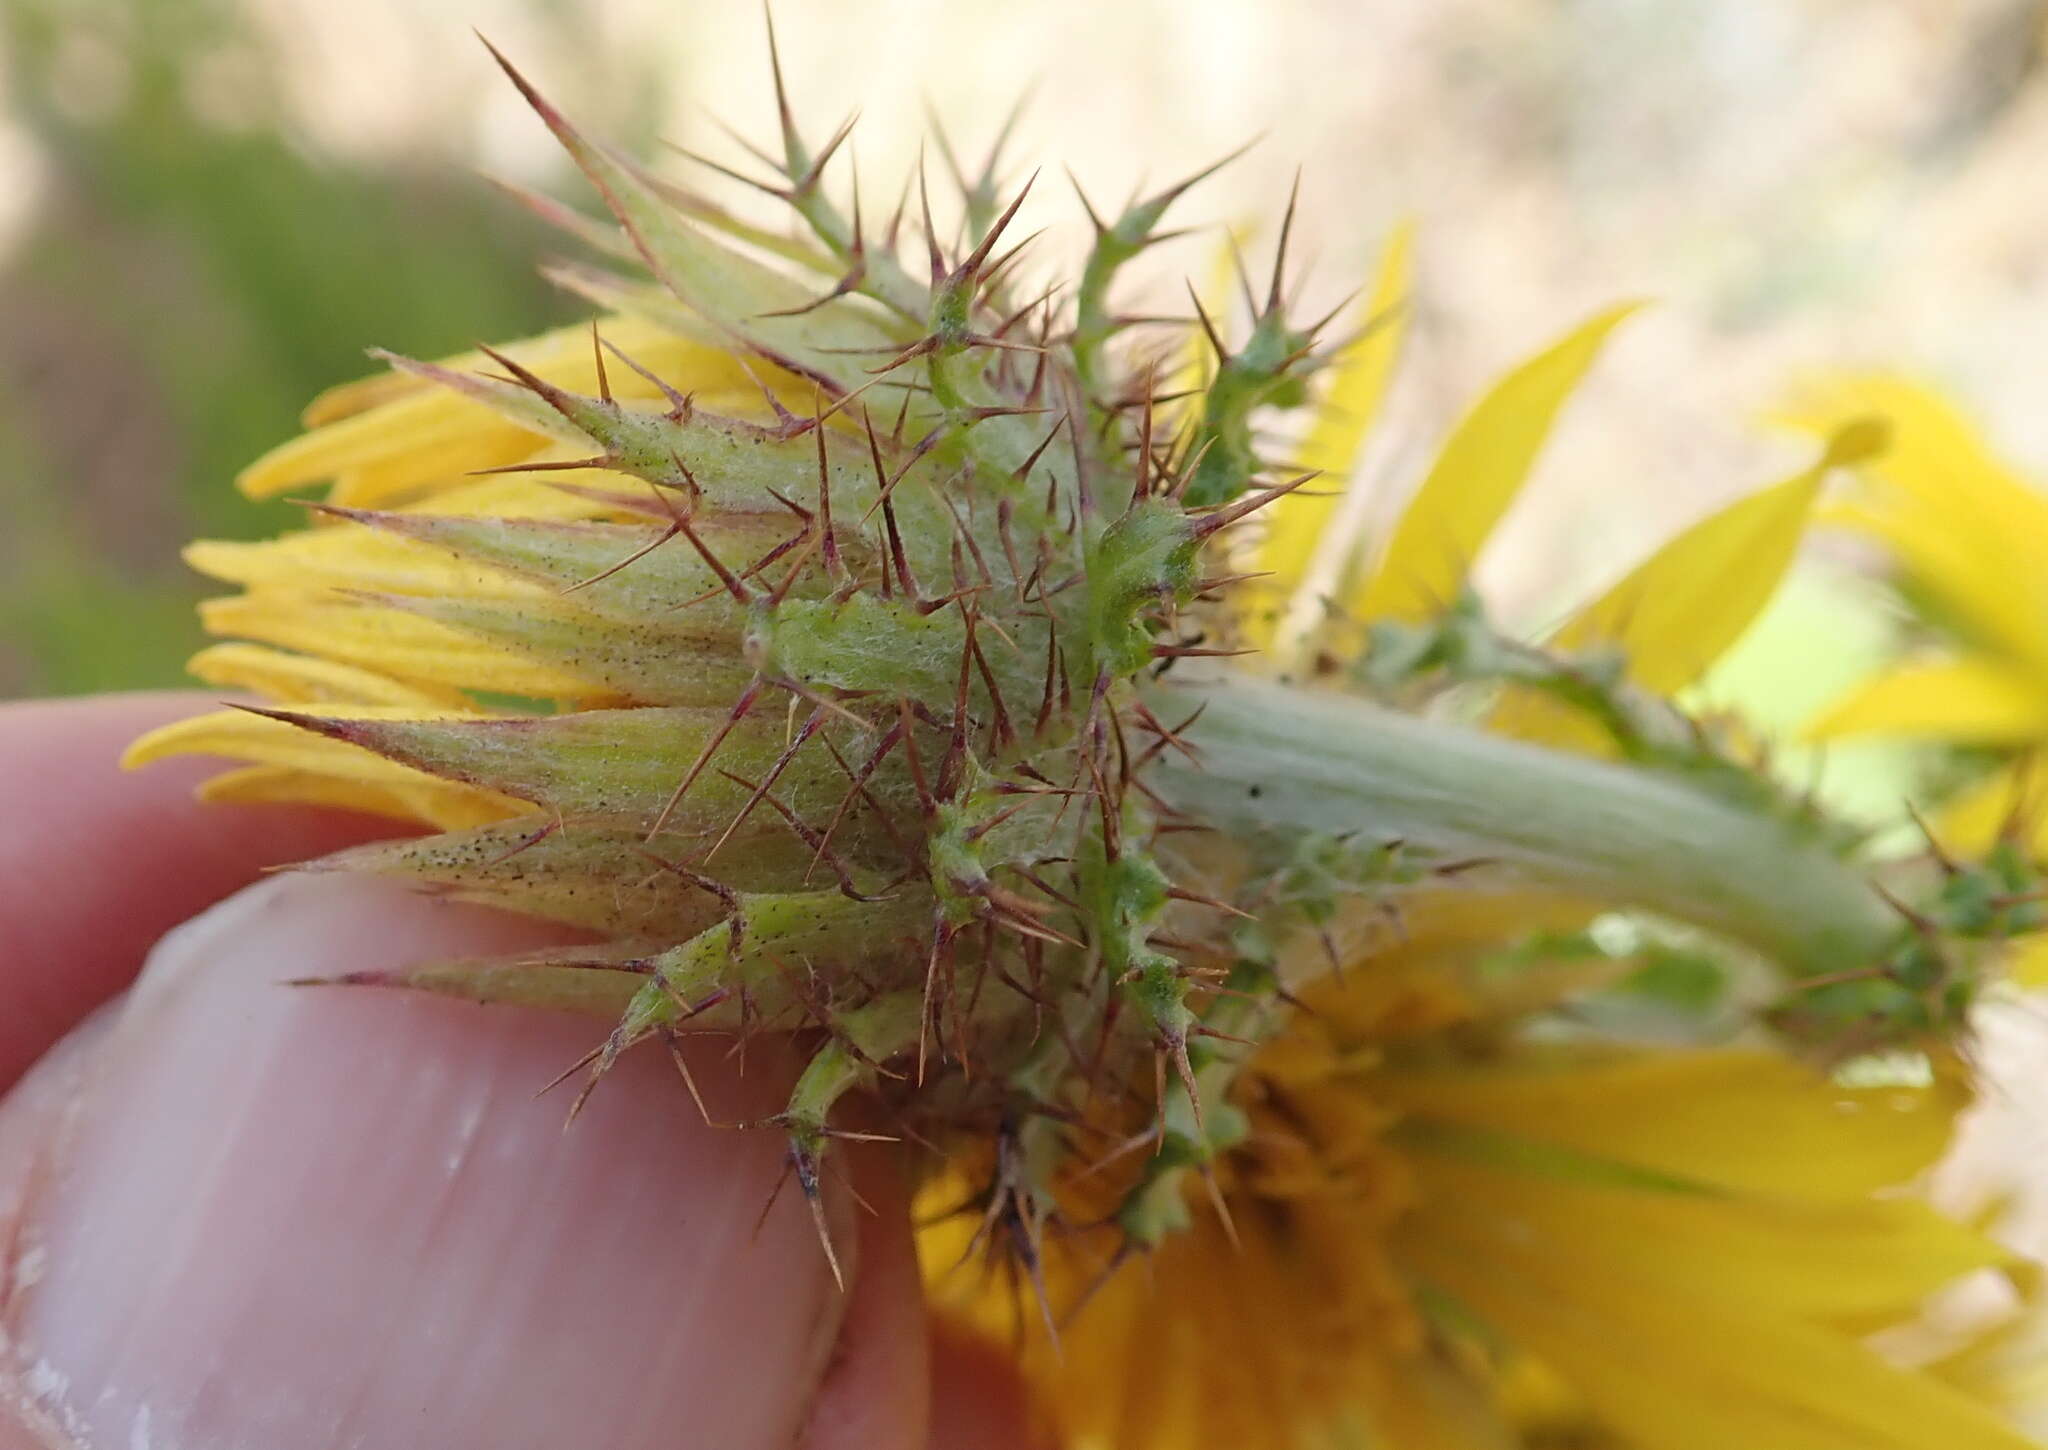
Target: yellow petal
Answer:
[[1302, 550], [1870, 1256], [2013, 798], [430, 435], [548, 353], [444, 805], [385, 784], [1476, 477], [391, 641], [2026, 962], [1935, 454], [1673, 1365], [1733, 1118], [1976, 701], [351, 556], [305, 680], [433, 465], [1971, 531], [1683, 606], [1427, 1404], [421, 437], [1984, 580], [282, 785]]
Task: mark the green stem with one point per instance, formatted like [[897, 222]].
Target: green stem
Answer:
[[1309, 762]]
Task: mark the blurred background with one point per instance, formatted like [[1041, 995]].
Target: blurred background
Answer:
[[208, 208]]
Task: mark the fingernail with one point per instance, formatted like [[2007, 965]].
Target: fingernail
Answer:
[[284, 1218]]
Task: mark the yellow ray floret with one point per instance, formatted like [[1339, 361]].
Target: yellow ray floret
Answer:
[[1701, 1115], [2011, 801], [443, 805], [1681, 609], [1407, 1239], [1971, 532], [293, 679], [351, 557], [1778, 1255], [391, 640], [1978, 701], [418, 437], [1475, 478], [1672, 1366], [297, 765]]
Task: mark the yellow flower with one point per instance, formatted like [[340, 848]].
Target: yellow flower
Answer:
[[1969, 539], [1428, 1217], [803, 628], [1440, 1233]]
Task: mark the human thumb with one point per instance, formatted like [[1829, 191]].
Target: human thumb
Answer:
[[238, 1215]]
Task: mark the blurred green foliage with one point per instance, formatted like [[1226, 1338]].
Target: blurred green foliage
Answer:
[[183, 290]]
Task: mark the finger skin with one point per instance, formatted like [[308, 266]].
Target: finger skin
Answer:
[[96, 864], [978, 1402], [313, 1219], [28, 1117]]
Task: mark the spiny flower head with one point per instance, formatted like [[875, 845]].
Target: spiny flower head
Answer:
[[846, 644], [842, 632]]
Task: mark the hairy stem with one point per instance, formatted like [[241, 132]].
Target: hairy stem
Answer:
[[1275, 758]]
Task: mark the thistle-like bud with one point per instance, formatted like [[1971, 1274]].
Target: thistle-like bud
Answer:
[[847, 733]]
